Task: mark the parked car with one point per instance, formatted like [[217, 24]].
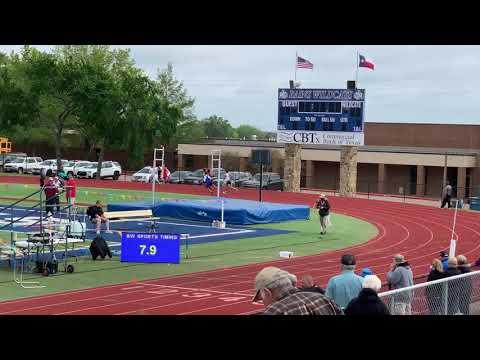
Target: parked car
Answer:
[[178, 177], [270, 181], [6, 158], [144, 175], [237, 178], [109, 169], [22, 164], [50, 164], [73, 165], [195, 177]]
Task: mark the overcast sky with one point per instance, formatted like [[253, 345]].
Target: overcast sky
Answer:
[[426, 84]]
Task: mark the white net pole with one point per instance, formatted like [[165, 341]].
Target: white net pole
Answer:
[[163, 172], [222, 210], [218, 175], [153, 175], [155, 170], [453, 242]]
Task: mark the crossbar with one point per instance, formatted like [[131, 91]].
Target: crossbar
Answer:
[[127, 214]]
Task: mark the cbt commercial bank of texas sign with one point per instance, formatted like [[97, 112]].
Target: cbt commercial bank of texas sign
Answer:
[[321, 116]]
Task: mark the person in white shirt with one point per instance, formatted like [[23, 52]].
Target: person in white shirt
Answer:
[[227, 180]]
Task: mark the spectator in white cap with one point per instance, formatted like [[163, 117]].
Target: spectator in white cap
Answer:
[[276, 288], [400, 276], [368, 302]]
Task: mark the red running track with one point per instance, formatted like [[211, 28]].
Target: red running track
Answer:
[[418, 232]]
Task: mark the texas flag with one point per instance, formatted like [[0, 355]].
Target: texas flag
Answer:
[[364, 62]]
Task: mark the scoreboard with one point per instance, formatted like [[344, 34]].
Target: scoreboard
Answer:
[[321, 116]]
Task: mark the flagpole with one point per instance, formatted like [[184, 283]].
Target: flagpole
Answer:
[[296, 59], [356, 76]]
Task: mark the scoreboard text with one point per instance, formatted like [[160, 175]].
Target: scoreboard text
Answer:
[[321, 116]]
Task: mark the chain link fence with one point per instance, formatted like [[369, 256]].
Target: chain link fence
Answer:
[[456, 295], [401, 190]]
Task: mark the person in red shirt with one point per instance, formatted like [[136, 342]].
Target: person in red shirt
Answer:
[[50, 190], [71, 191], [164, 174]]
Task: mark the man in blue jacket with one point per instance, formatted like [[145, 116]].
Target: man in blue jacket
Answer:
[[346, 286], [444, 259]]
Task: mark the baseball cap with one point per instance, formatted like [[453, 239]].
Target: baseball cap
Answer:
[[269, 275], [399, 259], [444, 254], [348, 259], [366, 271], [322, 196]]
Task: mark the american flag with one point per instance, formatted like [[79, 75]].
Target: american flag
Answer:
[[303, 63]]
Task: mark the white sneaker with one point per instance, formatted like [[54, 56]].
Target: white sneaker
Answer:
[[98, 232], [109, 232]]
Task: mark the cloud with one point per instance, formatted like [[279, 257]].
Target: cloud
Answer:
[[409, 84]]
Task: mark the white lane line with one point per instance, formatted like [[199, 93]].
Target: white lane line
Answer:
[[133, 287], [221, 234], [194, 289]]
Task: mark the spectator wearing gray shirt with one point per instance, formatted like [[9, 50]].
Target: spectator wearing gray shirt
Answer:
[[401, 276], [447, 195]]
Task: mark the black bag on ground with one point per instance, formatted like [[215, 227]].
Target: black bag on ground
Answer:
[[52, 266], [99, 247]]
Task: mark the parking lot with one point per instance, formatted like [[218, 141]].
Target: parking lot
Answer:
[[22, 164]]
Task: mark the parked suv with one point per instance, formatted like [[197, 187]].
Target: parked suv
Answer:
[[22, 164], [144, 175], [271, 181], [72, 167], [109, 169], [50, 164], [6, 158]]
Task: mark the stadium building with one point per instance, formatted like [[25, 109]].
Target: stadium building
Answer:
[[398, 158]]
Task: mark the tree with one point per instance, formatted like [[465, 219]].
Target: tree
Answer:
[[247, 131], [121, 105], [190, 131], [54, 80], [217, 127], [172, 91], [18, 105]]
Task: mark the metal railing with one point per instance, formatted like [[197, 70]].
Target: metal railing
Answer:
[[454, 295]]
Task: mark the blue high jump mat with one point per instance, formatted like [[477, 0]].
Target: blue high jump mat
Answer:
[[237, 212]]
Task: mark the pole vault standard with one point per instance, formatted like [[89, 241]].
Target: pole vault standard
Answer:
[[158, 156], [217, 160]]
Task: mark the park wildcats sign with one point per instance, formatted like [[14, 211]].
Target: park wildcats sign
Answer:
[[321, 116]]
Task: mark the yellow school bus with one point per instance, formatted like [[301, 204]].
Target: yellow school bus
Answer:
[[5, 145]]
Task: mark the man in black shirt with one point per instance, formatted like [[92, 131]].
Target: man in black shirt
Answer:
[[97, 216], [308, 284], [447, 195], [323, 207]]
